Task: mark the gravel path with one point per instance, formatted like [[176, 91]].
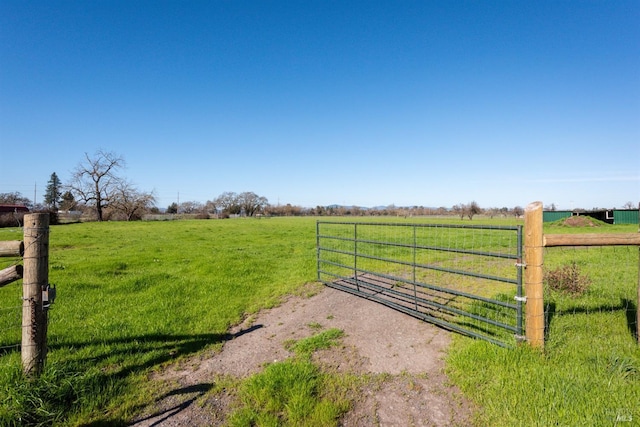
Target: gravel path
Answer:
[[377, 340]]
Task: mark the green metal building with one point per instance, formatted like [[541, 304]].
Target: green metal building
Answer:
[[550, 216], [625, 216], [612, 216]]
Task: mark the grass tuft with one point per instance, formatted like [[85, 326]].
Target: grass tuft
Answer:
[[320, 341], [294, 392]]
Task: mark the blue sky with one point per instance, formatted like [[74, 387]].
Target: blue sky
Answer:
[[313, 102]]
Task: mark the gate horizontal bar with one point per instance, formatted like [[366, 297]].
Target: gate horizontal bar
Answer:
[[443, 307], [422, 285], [419, 315], [426, 266], [410, 282], [432, 248]]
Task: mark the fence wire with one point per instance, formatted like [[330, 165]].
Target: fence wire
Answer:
[[10, 315], [11, 304]]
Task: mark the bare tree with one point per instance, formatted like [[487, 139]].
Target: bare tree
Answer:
[[228, 203], [251, 203], [210, 207], [190, 207], [492, 212], [472, 209], [459, 210], [469, 210], [628, 205], [129, 202], [95, 180]]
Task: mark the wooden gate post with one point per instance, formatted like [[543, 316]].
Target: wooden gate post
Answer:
[[35, 280], [533, 275]]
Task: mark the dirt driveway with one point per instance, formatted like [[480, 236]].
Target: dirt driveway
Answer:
[[377, 339]]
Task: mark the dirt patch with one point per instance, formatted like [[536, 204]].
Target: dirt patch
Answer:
[[378, 340], [581, 221]]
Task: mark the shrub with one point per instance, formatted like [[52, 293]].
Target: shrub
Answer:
[[568, 279], [12, 219]]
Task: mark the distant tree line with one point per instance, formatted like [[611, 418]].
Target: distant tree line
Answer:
[[250, 204], [462, 210], [225, 205], [97, 190]]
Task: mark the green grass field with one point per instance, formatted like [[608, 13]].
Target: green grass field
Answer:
[[133, 297]]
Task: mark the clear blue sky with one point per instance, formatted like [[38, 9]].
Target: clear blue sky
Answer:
[[315, 102]]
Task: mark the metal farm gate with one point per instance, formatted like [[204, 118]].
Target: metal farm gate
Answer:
[[465, 278]]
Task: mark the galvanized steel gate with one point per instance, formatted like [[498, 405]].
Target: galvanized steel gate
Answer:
[[466, 278]]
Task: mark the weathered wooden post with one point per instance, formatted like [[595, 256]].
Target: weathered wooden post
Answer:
[[12, 248], [533, 275], [12, 273], [35, 280]]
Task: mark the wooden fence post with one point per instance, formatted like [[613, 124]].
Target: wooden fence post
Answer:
[[35, 280], [533, 275]]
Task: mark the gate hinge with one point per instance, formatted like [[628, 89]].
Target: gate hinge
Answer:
[[520, 299], [520, 338], [521, 264]]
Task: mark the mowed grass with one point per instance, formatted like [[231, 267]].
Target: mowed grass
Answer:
[[132, 296]]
